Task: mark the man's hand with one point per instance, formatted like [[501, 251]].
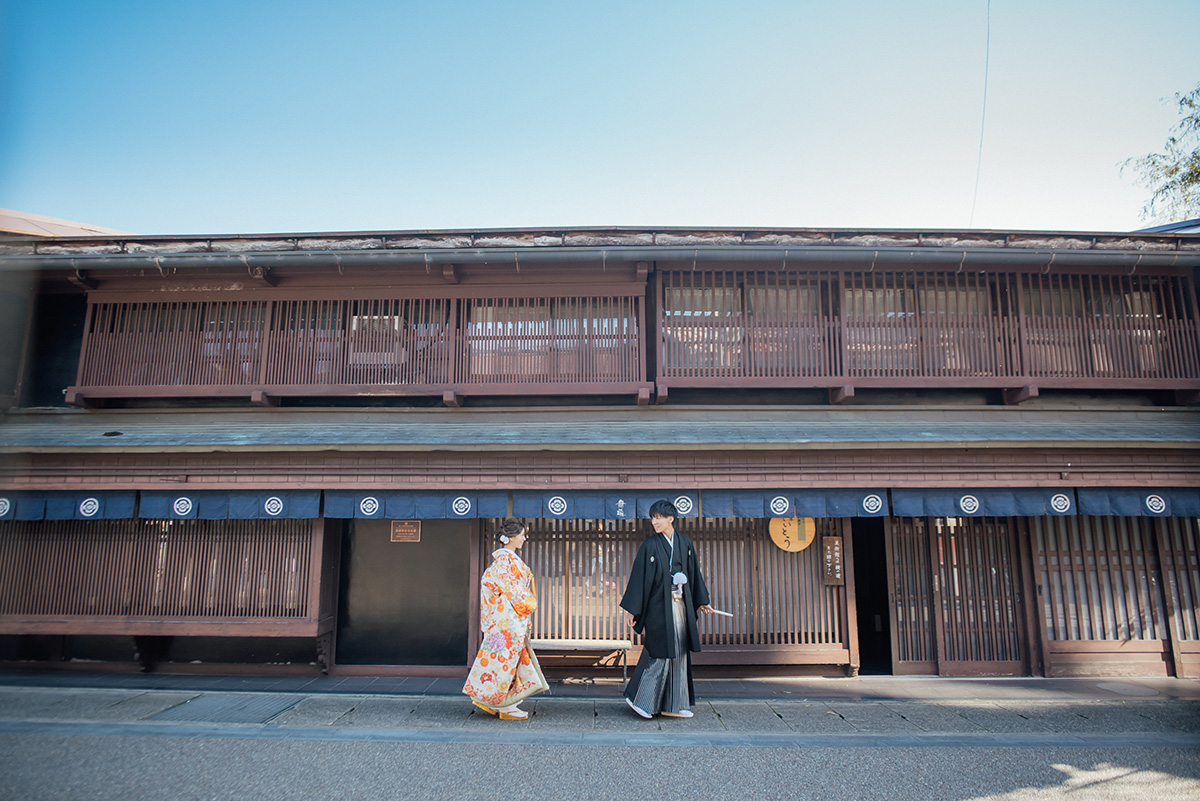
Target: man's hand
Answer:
[[707, 609], [629, 619]]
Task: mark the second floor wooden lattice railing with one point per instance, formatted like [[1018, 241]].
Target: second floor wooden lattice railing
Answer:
[[749, 329], [381, 346], [927, 328]]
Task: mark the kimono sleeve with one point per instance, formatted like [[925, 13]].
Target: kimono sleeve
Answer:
[[523, 601], [636, 590], [700, 595]]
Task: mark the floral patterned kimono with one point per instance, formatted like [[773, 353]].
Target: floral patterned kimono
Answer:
[[505, 670]]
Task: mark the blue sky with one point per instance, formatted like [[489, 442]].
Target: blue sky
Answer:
[[233, 117]]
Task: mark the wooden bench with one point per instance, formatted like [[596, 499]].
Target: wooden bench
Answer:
[[567, 644]]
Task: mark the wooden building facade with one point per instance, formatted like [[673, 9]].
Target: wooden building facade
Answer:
[[290, 452]]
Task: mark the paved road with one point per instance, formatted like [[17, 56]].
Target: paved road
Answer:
[[93, 743]]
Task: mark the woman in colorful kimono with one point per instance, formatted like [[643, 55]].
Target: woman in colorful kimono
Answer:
[[505, 670]]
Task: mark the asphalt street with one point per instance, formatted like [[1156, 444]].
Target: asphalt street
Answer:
[[831, 739]]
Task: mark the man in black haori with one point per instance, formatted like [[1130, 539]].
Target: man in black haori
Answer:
[[665, 593]]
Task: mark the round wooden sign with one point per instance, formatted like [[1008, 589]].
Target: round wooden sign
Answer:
[[792, 533]]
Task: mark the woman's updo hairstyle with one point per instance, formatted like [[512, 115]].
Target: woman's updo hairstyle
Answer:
[[510, 528]]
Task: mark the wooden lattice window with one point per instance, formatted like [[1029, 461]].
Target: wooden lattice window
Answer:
[[777, 598], [156, 569], [1099, 578]]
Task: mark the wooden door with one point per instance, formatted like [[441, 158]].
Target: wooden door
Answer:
[[956, 605], [978, 599], [910, 592]]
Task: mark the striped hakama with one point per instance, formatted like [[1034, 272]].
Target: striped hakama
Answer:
[[661, 685]]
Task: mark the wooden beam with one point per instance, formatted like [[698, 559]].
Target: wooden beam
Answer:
[[1187, 397], [643, 270], [262, 398], [1019, 395], [76, 398], [263, 274], [839, 395], [452, 399], [82, 280], [661, 395], [643, 396], [450, 273]]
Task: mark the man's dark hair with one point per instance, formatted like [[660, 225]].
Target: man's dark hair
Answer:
[[663, 508]]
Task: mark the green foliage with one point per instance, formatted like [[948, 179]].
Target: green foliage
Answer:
[[1174, 174]]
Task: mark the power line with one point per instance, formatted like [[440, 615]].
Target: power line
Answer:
[[987, 54]]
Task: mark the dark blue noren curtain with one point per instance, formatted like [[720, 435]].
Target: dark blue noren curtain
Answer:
[[415, 504], [274, 504], [1139, 501], [600, 505], [991, 502], [22, 505], [118, 505], [177, 505], [795, 503]]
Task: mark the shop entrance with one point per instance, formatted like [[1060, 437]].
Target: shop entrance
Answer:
[[957, 608], [782, 611], [406, 601], [871, 596]]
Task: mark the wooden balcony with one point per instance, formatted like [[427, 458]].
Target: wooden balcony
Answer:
[[719, 328], [448, 347], [845, 329]]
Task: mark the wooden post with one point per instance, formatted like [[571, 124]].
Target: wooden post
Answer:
[[475, 553], [1030, 599], [1161, 533], [893, 620], [849, 601], [936, 549]]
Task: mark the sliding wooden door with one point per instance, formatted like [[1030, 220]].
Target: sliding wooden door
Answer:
[[956, 604]]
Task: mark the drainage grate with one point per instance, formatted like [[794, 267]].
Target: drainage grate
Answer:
[[230, 708]]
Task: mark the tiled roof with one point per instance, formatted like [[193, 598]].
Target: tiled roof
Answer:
[[22, 223], [594, 429]]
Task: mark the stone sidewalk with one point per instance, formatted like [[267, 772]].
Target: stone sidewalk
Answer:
[[850, 712]]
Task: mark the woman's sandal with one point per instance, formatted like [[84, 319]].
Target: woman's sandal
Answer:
[[512, 714]]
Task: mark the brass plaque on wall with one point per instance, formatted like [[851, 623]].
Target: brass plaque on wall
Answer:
[[406, 531]]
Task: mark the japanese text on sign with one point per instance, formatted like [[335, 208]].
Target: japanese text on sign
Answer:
[[832, 561], [406, 531]]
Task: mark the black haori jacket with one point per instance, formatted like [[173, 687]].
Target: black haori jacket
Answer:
[[648, 594]]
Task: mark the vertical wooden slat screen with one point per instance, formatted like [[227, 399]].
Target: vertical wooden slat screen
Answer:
[[757, 324], [1107, 326], [320, 344], [955, 607], [1099, 578], [1181, 574], [719, 328], [912, 575], [580, 568], [978, 572], [173, 343], [380, 342], [306, 342], [156, 569], [730, 562], [882, 330], [791, 604], [914, 325], [778, 598], [550, 340]]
